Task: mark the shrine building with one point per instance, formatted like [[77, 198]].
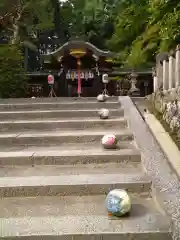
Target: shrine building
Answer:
[[75, 63]]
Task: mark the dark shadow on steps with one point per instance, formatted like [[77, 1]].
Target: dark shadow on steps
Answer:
[[138, 210]]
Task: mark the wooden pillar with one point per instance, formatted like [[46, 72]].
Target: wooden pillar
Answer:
[[79, 90]]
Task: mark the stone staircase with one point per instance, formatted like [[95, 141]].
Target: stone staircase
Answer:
[[54, 173]]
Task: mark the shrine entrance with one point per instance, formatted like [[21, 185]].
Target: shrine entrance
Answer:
[[87, 78], [80, 67]]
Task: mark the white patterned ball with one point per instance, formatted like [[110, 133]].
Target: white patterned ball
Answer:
[[104, 113], [101, 98], [118, 202], [109, 141]]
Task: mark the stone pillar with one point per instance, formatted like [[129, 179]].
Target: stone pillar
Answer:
[[177, 67], [165, 75], [155, 83], [171, 71], [155, 79], [159, 74]]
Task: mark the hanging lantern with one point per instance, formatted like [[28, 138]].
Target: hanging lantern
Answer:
[[50, 79]]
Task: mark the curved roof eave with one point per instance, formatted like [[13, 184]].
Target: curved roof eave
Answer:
[[78, 44]]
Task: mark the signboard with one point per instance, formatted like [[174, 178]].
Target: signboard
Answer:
[[50, 79]]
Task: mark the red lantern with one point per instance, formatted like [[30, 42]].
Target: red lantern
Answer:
[[50, 79]]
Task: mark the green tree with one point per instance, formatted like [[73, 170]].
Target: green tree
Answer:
[[93, 20], [23, 19], [143, 28], [13, 79]]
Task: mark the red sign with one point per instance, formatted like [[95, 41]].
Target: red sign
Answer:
[[51, 79]]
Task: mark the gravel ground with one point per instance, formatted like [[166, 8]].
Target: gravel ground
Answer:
[[166, 183]]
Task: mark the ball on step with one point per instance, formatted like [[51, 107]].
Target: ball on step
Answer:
[[118, 202], [103, 113], [109, 141], [101, 98]]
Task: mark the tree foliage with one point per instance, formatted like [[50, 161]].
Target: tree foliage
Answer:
[[22, 20], [13, 79], [135, 29], [145, 27]]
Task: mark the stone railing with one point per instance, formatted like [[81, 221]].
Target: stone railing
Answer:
[[166, 75], [166, 96]]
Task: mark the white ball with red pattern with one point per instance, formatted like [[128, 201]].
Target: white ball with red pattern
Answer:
[[109, 141]]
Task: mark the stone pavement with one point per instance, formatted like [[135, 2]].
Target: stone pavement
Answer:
[[54, 173]]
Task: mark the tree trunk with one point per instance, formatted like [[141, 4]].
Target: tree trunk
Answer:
[[15, 25], [57, 21], [15, 38]]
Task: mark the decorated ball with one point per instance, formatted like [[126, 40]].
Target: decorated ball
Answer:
[[104, 113], [118, 202], [109, 141], [101, 98]]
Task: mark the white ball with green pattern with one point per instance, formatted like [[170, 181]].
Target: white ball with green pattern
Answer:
[[118, 202], [109, 141], [103, 113]]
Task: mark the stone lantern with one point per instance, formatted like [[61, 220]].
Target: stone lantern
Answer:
[[134, 91]]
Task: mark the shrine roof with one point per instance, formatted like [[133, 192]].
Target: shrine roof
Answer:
[[78, 44]]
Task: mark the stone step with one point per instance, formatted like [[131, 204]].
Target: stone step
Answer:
[[57, 138], [58, 105], [77, 169], [44, 114], [54, 100], [67, 155], [65, 124], [83, 184], [80, 217]]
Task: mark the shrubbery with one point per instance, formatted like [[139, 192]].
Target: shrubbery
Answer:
[[13, 79]]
